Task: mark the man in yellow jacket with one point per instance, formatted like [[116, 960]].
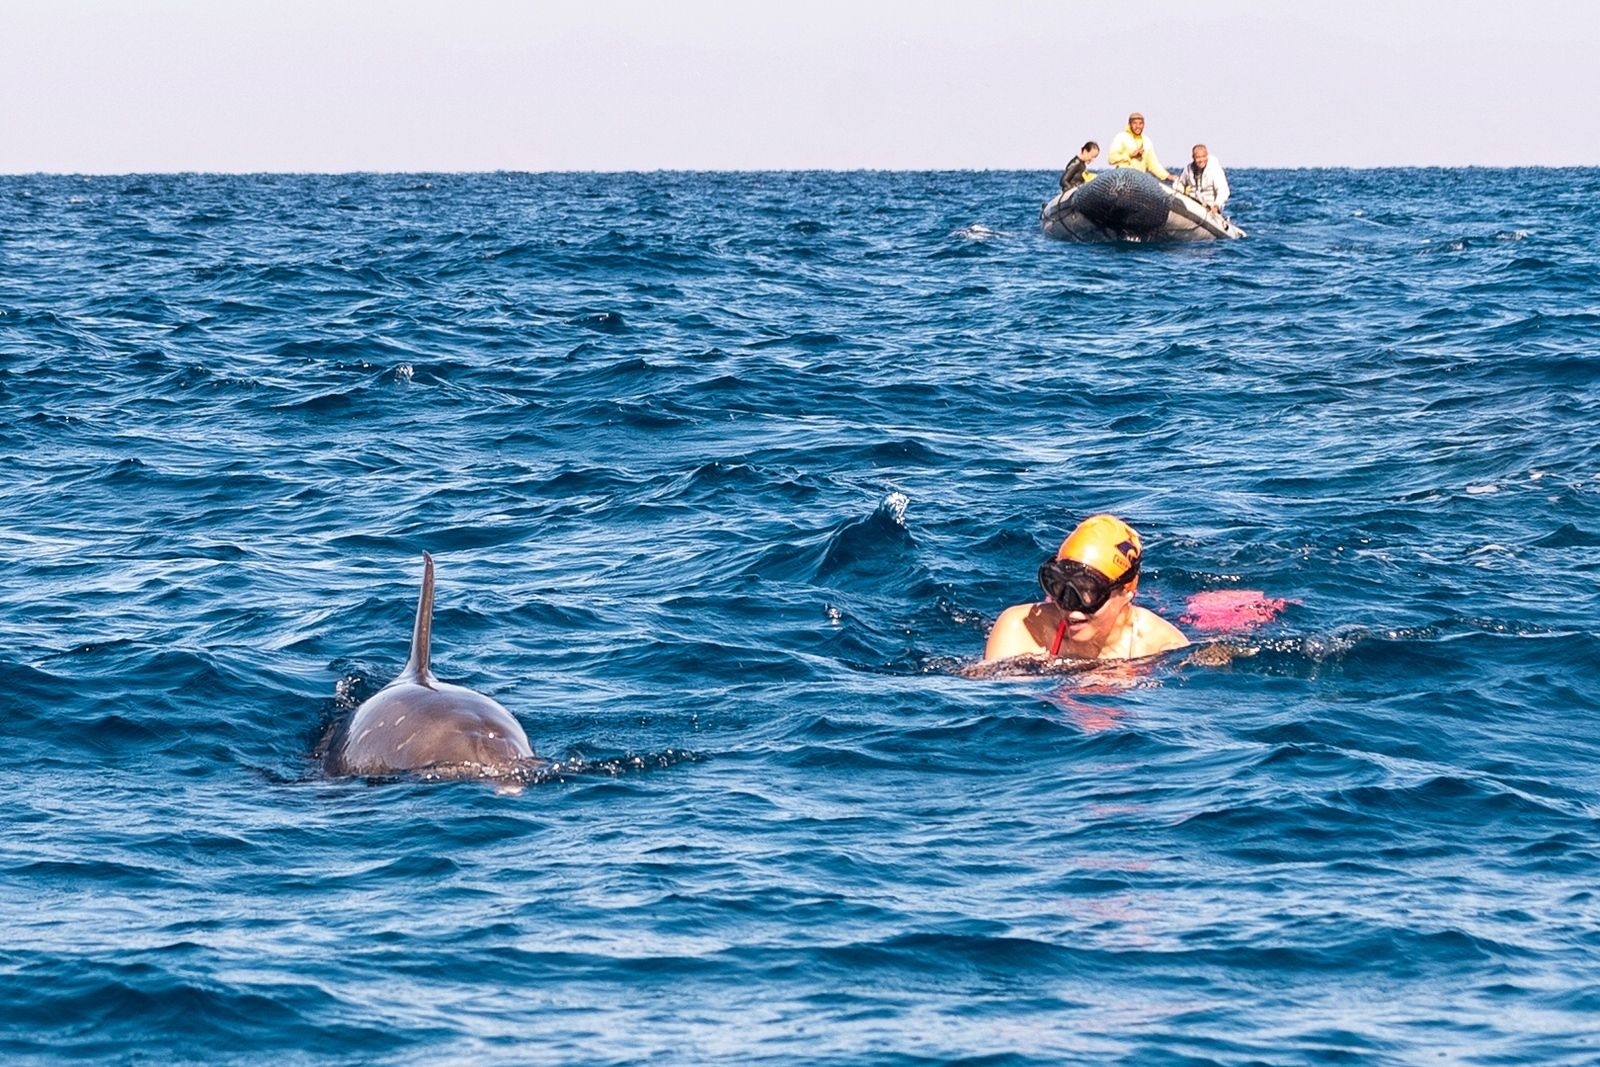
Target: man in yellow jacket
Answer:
[[1131, 148]]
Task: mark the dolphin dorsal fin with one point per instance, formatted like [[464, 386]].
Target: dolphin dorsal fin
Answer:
[[417, 665]]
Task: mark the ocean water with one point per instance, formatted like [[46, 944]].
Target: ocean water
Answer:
[[726, 476]]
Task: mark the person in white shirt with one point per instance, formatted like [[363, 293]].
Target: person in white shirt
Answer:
[[1205, 180]]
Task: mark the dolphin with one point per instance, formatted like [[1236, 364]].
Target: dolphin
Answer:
[[418, 723]]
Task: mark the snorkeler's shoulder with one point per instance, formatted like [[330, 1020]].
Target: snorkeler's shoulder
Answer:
[[1155, 635], [1020, 630]]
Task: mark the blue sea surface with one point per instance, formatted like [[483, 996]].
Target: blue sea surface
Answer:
[[726, 476]]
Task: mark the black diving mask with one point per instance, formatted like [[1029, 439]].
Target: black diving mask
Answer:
[[1077, 586]]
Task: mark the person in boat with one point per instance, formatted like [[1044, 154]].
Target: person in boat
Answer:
[[1131, 148], [1077, 171], [1205, 180], [1088, 611]]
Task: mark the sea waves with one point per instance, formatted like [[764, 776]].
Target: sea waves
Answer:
[[726, 476]]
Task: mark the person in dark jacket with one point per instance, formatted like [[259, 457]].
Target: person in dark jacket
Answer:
[[1077, 171]]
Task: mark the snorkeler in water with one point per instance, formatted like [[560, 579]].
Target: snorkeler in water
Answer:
[[1088, 611]]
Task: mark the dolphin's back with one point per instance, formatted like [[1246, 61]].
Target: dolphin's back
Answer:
[[409, 727], [417, 721]]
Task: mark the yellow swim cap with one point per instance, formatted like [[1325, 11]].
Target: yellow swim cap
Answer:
[[1107, 544]]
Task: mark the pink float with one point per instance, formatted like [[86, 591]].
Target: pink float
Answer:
[[1231, 610]]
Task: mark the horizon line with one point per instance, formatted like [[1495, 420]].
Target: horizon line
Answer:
[[736, 170]]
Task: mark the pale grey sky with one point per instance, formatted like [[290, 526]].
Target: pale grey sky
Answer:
[[112, 86]]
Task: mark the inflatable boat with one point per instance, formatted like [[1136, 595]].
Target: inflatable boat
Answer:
[[1130, 205]]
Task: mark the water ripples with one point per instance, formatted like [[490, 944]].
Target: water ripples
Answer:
[[727, 475]]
